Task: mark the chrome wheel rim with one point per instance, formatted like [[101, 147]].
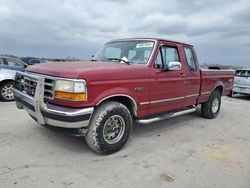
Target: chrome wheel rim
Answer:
[[113, 129], [215, 105], [7, 92]]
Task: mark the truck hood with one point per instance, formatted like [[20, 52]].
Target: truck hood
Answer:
[[99, 70]]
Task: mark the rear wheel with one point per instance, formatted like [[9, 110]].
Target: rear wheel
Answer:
[[6, 93], [211, 108], [109, 128]]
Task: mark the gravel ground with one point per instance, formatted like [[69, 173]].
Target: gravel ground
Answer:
[[186, 151]]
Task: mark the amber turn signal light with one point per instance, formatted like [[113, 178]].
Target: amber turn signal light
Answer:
[[71, 96]]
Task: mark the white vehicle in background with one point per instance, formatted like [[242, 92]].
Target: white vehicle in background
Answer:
[[241, 82], [7, 78]]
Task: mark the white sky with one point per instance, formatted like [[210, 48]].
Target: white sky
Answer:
[[219, 29]]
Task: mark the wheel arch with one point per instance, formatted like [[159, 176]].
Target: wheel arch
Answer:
[[7, 80], [125, 99], [220, 88]]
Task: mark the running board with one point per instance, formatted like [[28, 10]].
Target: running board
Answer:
[[166, 116]]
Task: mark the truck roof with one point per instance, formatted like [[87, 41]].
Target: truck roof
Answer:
[[151, 38]]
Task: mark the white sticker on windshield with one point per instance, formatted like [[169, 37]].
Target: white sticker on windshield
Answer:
[[145, 45]]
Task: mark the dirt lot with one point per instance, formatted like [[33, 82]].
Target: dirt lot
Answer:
[[186, 151]]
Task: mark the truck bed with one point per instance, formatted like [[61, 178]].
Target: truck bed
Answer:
[[210, 79]]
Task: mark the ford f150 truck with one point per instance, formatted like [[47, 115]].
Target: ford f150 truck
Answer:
[[141, 79]]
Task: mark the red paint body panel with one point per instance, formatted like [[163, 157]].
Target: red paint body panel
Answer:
[[211, 79], [162, 90]]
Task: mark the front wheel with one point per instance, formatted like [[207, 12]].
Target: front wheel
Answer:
[[211, 108], [109, 128], [6, 93]]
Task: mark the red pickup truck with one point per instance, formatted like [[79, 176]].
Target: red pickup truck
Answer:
[[141, 79]]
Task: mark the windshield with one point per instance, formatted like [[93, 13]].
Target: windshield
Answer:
[[242, 73], [134, 51]]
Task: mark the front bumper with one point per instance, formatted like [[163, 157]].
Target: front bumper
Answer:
[[53, 115], [241, 89]]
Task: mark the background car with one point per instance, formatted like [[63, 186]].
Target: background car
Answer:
[[7, 78], [241, 82], [32, 60], [12, 63]]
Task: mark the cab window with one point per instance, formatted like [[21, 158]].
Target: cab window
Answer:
[[165, 55]]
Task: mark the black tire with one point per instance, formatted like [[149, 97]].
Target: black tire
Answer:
[[208, 109], [6, 93], [231, 94], [105, 124]]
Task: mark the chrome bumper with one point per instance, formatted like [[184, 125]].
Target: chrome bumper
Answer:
[[49, 114]]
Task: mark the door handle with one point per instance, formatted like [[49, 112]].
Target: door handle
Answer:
[[182, 74]]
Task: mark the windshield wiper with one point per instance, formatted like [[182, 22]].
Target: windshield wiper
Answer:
[[117, 59]]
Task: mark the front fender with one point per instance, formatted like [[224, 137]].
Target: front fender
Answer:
[[7, 75], [114, 92]]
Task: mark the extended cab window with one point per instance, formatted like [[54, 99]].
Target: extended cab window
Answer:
[[165, 55], [190, 58]]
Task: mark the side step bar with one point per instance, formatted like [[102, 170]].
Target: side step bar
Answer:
[[166, 116]]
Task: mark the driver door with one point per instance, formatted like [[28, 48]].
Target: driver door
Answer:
[[168, 87]]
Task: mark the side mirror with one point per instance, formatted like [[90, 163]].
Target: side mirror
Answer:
[[174, 66]]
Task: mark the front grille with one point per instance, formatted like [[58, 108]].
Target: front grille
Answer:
[[27, 84]]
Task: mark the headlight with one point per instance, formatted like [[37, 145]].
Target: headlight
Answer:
[[70, 90]]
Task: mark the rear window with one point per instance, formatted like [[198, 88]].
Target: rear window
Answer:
[[242, 73]]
